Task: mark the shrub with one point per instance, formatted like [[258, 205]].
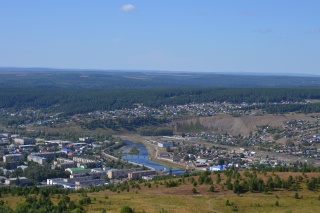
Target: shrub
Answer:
[[85, 201], [194, 191], [234, 208], [126, 209]]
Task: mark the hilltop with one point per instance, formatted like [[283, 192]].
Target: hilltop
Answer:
[[188, 195]]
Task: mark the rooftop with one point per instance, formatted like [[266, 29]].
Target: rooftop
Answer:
[[76, 169]]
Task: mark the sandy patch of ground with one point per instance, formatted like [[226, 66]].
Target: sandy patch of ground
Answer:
[[242, 125]]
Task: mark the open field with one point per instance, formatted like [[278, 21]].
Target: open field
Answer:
[[189, 203], [244, 124], [181, 199]]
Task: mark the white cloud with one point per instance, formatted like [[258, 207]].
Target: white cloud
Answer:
[[128, 7], [315, 31]]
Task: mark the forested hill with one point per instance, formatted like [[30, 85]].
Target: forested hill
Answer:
[[75, 92], [73, 101], [44, 78]]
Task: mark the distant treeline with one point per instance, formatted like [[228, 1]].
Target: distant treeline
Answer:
[[285, 108], [128, 124], [74, 101], [49, 78]]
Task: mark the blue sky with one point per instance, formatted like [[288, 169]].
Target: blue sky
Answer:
[[269, 36]]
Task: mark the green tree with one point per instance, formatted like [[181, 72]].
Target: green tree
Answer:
[[218, 178], [126, 209]]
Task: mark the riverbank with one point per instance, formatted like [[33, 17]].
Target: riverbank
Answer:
[[152, 150], [167, 163], [125, 161]]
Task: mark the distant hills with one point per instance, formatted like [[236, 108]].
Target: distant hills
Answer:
[[77, 78]]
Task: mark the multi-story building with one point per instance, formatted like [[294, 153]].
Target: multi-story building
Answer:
[[83, 160], [37, 159], [12, 157], [64, 163], [78, 172], [24, 141], [140, 174], [120, 173], [42, 157], [17, 181], [76, 183]]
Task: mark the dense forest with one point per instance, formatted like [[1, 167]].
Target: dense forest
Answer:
[[74, 101], [285, 108]]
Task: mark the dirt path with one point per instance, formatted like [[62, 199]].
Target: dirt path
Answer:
[[210, 206]]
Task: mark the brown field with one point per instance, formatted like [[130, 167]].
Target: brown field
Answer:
[[242, 125], [180, 199]]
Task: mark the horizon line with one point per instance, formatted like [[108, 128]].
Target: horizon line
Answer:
[[154, 70]]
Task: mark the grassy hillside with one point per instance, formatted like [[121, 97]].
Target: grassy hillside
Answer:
[[156, 197]]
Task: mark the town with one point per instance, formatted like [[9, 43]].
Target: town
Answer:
[[93, 161]]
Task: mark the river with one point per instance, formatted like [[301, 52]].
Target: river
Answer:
[[143, 158]]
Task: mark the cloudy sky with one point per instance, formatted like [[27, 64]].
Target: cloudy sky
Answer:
[[269, 36]]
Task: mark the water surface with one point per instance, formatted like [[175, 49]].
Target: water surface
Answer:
[[143, 158]]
